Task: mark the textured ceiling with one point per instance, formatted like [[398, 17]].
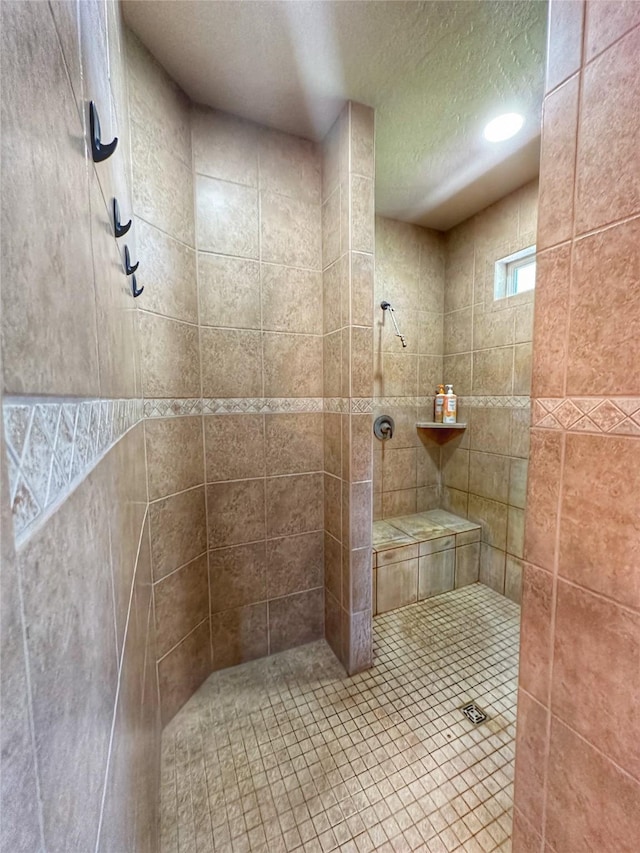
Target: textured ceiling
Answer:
[[435, 72]]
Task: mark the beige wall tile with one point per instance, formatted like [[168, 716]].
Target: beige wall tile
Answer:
[[522, 369], [489, 475], [518, 482], [295, 620], [494, 328], [229, 291], [515, 531], [292, 365], [492, 567], [361, 362], [513, 579], [235, 447], [231, 363], [333, 282], [178, 530], [332, 443], [236, 512], [239, 635], [291, 300], [224, 146], [362, 266], [64, 605], [361, 446], [183, 670], [294, 443], [456, 370], [162, 187], [168, 274], [332, 364], [294, 504], [37, 292], [170, 357], [458, 328], [395, 504], [174, 455], [399, 469], [291, 231], [227, 218], [290, 166], [493, 371], [295, 563], [397, 585], [362, 214], [155, 101], [455, 467], [455, 501], [333, 557], [520, 429], [493, 518], [237, 576], [331, 228], [181, 601], [489, 429], [361, 514], [333, 506], [362, 139], [399, 376]]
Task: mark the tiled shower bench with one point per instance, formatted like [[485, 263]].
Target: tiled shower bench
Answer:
[[417, 556]]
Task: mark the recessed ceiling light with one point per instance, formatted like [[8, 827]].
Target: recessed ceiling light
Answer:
[[503, 127]]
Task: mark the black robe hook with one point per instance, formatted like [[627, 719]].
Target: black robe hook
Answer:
[[99, 150], [118, 228], [127, 262], [134, 287]]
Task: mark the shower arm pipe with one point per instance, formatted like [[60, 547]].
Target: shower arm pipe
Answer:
[[386, 306]]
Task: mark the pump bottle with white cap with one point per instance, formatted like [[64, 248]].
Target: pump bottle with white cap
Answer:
[[450, 406]]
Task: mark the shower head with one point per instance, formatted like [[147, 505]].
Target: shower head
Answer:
[[386, 306]]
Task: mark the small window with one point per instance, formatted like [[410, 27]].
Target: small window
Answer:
[[516, 273]]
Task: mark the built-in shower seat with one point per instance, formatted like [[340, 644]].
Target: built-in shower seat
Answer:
[[417, 556]]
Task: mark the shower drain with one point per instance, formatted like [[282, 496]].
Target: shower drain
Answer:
[[474, 713]]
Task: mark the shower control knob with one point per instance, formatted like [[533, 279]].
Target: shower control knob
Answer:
[[383, 427]]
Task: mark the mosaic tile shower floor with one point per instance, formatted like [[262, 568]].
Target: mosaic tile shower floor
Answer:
[[287, 753]]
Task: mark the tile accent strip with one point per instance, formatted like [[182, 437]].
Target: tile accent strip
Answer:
[[471, 402], [617, 415], [52, 444], [166, 408]]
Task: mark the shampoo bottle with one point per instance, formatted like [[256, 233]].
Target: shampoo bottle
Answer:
[[439, 405], [450, 406]]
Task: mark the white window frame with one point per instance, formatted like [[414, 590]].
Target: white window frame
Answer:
[[506, 269]]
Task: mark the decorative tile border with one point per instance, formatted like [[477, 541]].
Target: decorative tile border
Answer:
[[470, 402], [169, 408], [52, 444], [165, 408], [617, 415]]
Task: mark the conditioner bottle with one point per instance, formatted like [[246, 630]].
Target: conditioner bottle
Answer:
[[450, 406]]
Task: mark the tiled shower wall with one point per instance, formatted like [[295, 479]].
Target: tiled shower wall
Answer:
[[487, 357], [442, 287], [80, 722], [410, 269], [577, 760], [347, 263], [231, 331]]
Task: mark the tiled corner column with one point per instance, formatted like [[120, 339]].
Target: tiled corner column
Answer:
[[347, 248], [577, 780]]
